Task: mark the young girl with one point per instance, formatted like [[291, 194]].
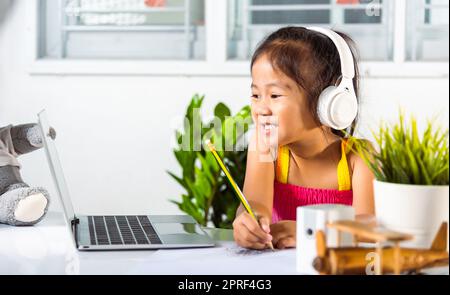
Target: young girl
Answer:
[[314, 165]]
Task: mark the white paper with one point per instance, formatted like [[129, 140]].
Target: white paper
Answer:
[[226, 258]]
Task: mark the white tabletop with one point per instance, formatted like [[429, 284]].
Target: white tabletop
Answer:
[[46, 248]]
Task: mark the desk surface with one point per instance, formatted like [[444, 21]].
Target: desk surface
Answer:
[[46, 248]]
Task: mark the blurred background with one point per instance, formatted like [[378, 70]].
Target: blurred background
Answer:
[[115, 75]]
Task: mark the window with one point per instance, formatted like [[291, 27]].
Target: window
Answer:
[[427, 24], [141, 29], [368, 22], [217, 37]]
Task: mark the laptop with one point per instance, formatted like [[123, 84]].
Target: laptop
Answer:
[[119, 232]]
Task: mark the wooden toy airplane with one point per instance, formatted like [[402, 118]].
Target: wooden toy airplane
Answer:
[[390, 259]]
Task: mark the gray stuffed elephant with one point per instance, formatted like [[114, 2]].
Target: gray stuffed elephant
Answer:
[[19, 203]]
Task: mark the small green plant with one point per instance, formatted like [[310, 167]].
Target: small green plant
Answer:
[[208, 196], [405, 157]]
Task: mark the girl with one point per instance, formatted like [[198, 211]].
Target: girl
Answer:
[[314, 165]]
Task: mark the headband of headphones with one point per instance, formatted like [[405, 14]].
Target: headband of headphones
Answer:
[[345, 54]]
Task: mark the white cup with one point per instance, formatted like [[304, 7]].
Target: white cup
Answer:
[[312, 218]]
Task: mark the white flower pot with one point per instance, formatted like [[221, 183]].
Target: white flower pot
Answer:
[[415, 209]]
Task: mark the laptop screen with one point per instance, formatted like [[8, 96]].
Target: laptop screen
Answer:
[[55, 166]]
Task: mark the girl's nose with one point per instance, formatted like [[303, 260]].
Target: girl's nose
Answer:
[[262, 109]]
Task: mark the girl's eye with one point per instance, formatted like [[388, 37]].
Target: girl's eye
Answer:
[[255, 96], [275, 96]]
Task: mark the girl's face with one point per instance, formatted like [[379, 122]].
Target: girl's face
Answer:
[[279, 107]]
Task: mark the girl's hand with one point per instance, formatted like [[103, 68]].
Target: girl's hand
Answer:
[[249, 234], [284, 234]]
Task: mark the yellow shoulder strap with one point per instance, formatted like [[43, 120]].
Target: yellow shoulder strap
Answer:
[[344, 180], [282, 164]]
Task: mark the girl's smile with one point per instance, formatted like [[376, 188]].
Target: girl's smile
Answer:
[[268, 124]]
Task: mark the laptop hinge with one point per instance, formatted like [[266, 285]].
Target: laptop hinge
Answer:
[[74, 222]]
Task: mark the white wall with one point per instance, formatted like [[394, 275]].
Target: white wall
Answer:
[[114, 133]]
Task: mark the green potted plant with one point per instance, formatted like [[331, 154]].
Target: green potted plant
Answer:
[[412, 176], [208, 197]]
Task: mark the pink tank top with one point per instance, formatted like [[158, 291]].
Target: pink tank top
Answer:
[[287, 197]]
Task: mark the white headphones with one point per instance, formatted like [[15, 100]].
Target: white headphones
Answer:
[[338, 106]]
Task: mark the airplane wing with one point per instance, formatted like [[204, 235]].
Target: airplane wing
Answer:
[[375, 233]]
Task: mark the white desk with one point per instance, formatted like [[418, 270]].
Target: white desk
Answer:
[[46, 248]]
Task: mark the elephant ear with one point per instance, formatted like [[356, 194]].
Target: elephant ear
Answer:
[[26, 138]]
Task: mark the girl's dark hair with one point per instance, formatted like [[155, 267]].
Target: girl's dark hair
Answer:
[[310, 59]]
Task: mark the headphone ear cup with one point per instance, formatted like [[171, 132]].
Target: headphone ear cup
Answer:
[[337, 107], [324, 104], [343, 109]]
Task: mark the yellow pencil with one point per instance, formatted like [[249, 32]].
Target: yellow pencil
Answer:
[[234, 185]]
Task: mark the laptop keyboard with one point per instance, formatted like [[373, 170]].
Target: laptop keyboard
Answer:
[[121, 230]]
